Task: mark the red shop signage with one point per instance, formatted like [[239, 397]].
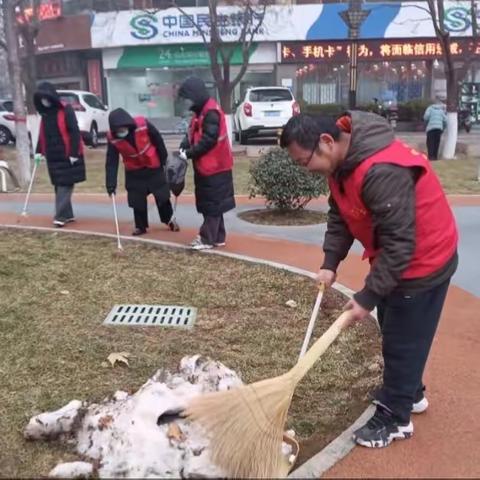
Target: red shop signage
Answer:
[[46, 10], [375, 50], [94, 77]]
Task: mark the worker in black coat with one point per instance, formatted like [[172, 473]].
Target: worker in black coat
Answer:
[[208, 145], [144, 156], [60, 142]]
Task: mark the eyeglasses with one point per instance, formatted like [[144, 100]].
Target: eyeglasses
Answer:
[[304, 162]]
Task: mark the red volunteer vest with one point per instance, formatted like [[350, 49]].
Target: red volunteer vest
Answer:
[[143, 154], [219, 158], [62, 127], [436, 232]]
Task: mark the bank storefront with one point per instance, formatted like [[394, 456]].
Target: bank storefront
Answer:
[[144, 80], [305, 47]]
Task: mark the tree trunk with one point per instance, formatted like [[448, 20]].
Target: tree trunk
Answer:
[[29, 70], [225, 94], [451, 137], [21, 132]]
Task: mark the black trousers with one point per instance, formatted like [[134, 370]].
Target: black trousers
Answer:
[[165, 210], [408, 324], [63, 202], [212, 230], [433, 143]]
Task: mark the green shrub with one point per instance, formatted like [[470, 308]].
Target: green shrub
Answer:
[[283, 183], [413, 110]]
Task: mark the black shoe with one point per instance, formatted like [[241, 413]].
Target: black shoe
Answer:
[[382, 429], [139, 231], [173, 225]]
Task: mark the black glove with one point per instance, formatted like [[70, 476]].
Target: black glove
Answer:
[[111, 190]]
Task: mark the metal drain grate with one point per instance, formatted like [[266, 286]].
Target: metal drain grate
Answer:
[[152, 315]]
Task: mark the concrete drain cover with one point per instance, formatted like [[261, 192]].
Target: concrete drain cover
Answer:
[[152, 315]]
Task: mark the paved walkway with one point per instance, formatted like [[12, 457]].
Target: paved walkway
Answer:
[[447, 437]]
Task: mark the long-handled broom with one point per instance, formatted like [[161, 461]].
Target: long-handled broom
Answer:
[[246, 424]]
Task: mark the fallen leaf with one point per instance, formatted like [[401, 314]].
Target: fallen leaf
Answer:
[[291, 304], [104, 422], [175, 433], [104, 364], [65, 292], [121, 357]]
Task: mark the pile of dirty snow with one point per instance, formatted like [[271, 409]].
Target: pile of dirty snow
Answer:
[[140, 435]]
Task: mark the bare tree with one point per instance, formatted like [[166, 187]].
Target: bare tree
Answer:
[[28, 28], [15, 71], [247, 19], [455, 70]]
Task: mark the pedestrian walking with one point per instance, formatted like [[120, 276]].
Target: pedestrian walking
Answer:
[[60, 142], [436, 122], [387, 196], [208, 145], [144, 155]]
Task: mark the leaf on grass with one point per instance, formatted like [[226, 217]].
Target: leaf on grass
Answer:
[[65, 292], [291, 304], [121, 357], [175, 433], [104, 422]]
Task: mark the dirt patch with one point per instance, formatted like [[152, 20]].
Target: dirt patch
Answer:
[[267, 216], [54, 343]]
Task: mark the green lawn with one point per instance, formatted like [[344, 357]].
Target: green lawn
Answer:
[[457, 176], [95, 161]]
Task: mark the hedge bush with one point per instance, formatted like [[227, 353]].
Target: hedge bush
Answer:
[[284, 184]]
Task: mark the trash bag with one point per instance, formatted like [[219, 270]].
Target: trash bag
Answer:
[[176, 171]]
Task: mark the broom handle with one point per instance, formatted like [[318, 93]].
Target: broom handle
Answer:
[[313, 318], [320, 346]]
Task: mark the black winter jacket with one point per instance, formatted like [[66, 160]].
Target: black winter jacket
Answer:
[[60, 168], [139, 183], [214, 195]]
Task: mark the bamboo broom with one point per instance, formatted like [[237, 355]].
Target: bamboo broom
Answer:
[[246, 424]]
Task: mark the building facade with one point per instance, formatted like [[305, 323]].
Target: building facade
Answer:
[[137, 58]]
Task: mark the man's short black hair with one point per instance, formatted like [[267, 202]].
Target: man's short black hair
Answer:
[[305, 130]]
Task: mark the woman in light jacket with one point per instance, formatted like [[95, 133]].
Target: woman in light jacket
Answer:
[[436, 121]]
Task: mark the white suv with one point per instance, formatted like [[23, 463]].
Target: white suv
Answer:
[[7, 126], [91, 113], [264, 111]]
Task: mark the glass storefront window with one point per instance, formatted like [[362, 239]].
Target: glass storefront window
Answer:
[[152, 92], [396, 82], [322, 84]]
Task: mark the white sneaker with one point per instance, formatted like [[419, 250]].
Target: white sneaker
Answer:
[[420, 406], [197, 244], [59, 223], [219, 244]]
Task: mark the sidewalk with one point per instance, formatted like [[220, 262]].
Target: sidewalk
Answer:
[[447, 438]]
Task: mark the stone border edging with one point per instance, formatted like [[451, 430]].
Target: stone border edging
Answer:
[[336, 449]]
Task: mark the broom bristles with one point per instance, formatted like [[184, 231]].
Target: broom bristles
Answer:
[[246, 426]]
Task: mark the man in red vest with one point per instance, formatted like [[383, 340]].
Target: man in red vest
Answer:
[[208, 146], [144, 155], [385, 195]]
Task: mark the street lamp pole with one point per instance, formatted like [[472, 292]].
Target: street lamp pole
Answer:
[[353, 18]]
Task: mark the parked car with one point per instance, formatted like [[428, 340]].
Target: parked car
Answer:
[[92, 114], [6, 104], [7, 126], [263, 112]]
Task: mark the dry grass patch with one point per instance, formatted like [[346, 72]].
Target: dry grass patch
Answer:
[[54, 343]]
